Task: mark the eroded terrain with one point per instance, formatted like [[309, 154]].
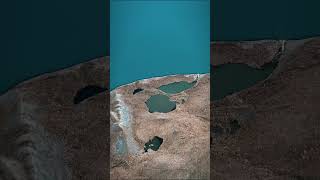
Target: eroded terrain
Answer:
[[184, 152]]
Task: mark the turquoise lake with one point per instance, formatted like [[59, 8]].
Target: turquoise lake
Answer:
[[158, 38]]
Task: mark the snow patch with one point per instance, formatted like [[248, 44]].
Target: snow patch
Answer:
[[122, 114]]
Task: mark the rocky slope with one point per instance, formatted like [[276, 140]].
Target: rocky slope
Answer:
[[55, 126], [271, 130]]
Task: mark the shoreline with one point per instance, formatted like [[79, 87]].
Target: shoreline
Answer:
[[55, 71]]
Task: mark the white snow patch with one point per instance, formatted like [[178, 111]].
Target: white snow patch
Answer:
[[123, 115]]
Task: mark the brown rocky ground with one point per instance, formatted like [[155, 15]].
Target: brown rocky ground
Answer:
[[185, 151], [44, 135], [271, 130], [56, 126], [252, 53]]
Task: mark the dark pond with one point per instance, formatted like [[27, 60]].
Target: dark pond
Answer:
[[230, 78], [137, 90], [87, 92], [153, 144]]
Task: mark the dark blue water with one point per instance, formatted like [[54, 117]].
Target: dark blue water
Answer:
[[43, 36], [264, 19]]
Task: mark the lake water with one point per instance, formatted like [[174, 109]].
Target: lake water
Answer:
[[229, 78], [153, 144], [272, 19], [45, 36], [158, 38], [177, 87], [58, 34], [225, 80], [160, 103]]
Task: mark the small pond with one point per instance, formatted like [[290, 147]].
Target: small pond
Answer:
[[87, 92], [153, 144], [137, 91], [177, 87], [160, 103]]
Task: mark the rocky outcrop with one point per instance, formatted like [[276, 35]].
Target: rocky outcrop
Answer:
[[278, 134]]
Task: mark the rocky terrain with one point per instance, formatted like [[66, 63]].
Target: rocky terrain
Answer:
[[185, 151], [271, 130], [55, 126], [252, 53]]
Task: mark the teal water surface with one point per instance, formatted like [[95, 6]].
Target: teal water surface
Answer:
[[160, 103], [158, 38], [177, 87]]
